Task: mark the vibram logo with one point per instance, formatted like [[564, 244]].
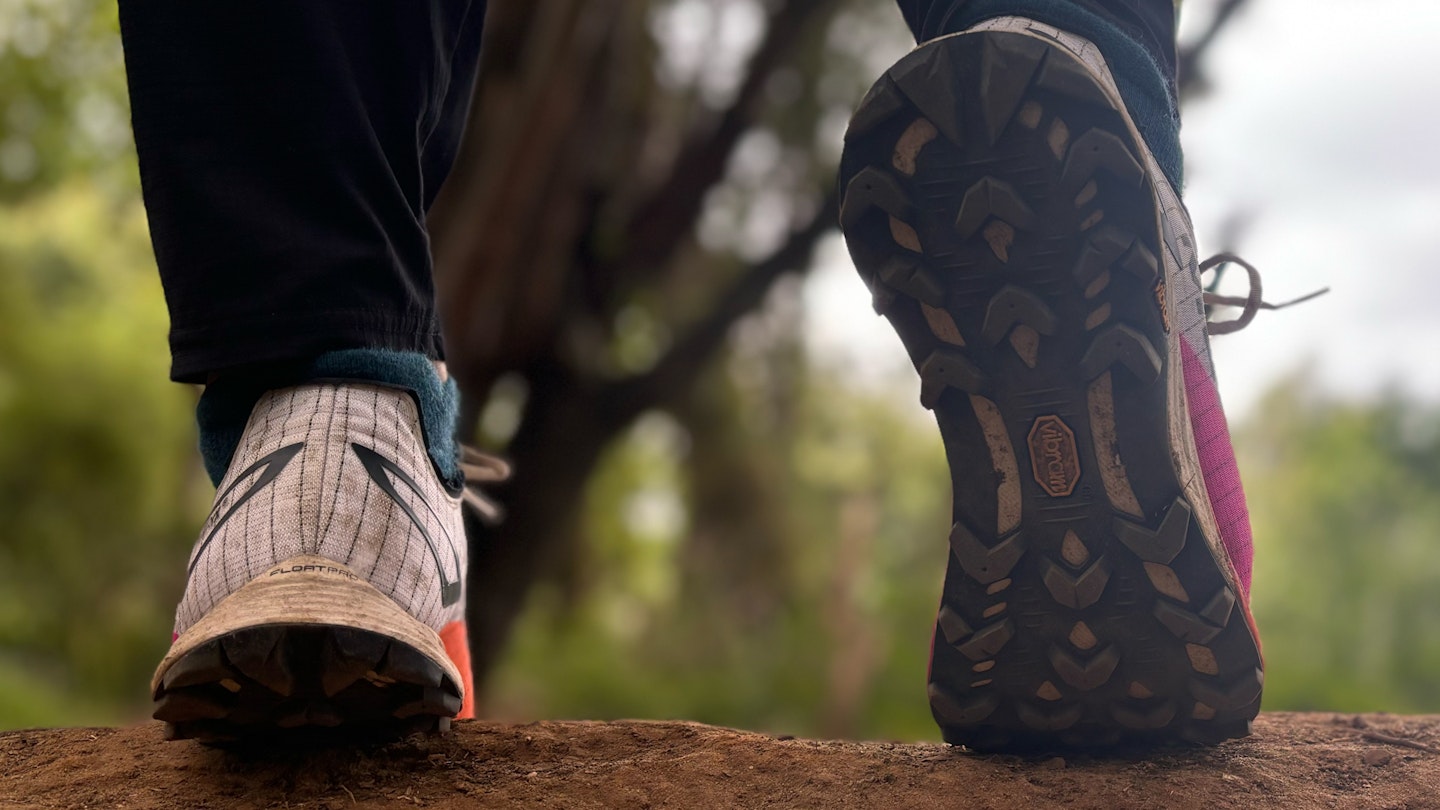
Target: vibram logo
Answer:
[[1054, 461]]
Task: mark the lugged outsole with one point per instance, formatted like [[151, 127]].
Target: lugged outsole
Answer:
[[996, 205], [316, 681]]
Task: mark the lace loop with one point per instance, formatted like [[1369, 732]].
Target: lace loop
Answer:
[[483, 468], [1251, 304]]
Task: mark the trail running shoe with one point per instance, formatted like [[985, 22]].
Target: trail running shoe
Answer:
[[327, 588], [1041, 272]]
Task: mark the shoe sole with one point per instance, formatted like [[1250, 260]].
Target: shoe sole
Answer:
[[308, 651], [995, 204]]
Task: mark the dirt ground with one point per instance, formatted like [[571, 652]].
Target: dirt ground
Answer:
[[1292, 761]]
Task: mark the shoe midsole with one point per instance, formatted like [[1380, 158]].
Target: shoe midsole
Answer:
[[309, 590]]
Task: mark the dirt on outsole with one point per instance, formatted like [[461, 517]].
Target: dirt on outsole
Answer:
[[1292, 761]]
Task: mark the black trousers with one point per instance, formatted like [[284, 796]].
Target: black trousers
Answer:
[[290, 149], [1149, 22]]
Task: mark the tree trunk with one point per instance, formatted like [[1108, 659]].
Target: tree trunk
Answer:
[[549, 226]]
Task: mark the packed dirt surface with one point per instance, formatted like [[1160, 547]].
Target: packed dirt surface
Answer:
[[1292, 761]]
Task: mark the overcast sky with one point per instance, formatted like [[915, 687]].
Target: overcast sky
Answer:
[[1319, 131]]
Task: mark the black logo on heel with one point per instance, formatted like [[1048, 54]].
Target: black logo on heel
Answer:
[[273, 465], [381, 469]]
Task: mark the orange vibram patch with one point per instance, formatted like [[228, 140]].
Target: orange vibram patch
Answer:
[[457, 646]]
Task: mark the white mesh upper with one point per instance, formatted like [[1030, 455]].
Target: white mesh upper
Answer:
[[326, 501]]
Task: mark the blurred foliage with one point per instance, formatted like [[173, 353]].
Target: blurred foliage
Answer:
[[99, 490], [1345, 500], [776, 569], [766, 555], [97, 479], [62, 96]]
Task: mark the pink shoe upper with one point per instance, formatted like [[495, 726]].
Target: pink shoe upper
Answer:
[[1217, 465]]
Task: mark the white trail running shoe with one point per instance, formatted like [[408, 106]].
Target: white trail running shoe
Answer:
[[327, 588], [1013, 227]]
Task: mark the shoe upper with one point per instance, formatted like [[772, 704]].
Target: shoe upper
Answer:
[[338, 470]]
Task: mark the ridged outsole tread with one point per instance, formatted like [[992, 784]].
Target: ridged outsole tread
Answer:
[[301, 681], [995, 204]]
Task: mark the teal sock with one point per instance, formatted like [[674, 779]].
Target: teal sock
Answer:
[[226, 404], [1141, 82]]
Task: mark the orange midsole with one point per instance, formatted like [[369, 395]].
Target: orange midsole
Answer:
[[457, 646]]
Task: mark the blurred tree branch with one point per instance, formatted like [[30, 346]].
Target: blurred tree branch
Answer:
[[663, 221], [688, 355], [1192, 55]]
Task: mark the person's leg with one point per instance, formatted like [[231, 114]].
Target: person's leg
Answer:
[[1136, 36], [289, 152], [1149, 22], [1010, 200]]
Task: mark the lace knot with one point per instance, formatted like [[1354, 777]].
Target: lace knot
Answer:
[[1249, 305], [482, 468]]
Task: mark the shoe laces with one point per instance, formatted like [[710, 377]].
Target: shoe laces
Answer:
[[482, 468], [1249, 305]]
